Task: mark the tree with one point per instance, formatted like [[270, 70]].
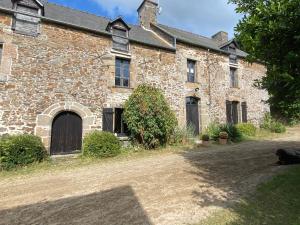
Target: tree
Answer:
[[148, 116], [270, 33]]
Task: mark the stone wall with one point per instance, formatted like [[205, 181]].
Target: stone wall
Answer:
[[67, 69]]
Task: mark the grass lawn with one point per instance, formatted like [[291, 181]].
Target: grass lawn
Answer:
[[276, 202]]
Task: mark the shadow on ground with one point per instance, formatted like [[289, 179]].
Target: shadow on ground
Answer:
[[117, 206], [225, 174]]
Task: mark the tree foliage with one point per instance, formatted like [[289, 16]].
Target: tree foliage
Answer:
[[270, 33], [149, 117]]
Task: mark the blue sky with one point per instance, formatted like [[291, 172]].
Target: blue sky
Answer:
[[205, 17]]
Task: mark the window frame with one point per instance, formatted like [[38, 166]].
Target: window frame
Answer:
[[124, 38], [28, 18], [231, 106], [122, 70], [234, 78], [122, 126], [189, 73]]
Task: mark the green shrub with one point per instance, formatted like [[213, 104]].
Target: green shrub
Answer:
[[247, 129], [234, 134], [205, 137], [272, 125], [21, 150], [149, 118], [182, 135], [267, 122], [223, 135], [99, 144], [213, 130], [277, 127]]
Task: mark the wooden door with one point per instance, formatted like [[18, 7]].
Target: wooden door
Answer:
[[192, 114], [66, 136]]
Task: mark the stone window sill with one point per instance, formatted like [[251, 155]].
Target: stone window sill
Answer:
[[188, 82], [122, 88]]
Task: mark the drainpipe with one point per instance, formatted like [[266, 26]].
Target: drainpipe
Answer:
[[209, 82]]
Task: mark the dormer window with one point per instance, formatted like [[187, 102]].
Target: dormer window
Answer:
[[232, 56], [27, 18], [120, 39], [120, 33], [233, 59]]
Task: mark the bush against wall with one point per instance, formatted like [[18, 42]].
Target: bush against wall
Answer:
[[149, 117], [99, 144], [21, 150], [247, 129], [182, 135], [214, 130]]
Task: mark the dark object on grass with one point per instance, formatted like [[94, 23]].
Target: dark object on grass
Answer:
[[288, 156]]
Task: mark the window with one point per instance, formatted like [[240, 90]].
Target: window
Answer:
[[236, 112], [120, 125], [233, 59], [191, 71], [112, 121], [120, 39], [122, 76], [232, 110], [233, 78], [1, 52], [27, 20]]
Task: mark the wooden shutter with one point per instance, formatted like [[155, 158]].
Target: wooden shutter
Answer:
[[244, 112], [107, 120], [229, 111], [235, 112]]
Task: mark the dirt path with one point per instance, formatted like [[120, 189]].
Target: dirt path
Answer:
[[170, 189]]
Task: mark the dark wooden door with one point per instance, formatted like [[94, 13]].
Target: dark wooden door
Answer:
[[192, 114], [66, 136]]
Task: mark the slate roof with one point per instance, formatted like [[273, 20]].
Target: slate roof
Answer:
[[84, 20]]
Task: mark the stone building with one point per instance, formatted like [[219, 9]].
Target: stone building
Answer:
[[65, 72]]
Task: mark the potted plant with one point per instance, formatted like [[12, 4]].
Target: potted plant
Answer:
[[223, 138], [205, 139]]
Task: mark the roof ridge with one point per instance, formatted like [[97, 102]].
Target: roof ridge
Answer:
[[85, 12], [199, 35]]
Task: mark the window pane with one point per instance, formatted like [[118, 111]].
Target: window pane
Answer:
[[126, 72], [233, 78], [191, 77], [191, 65], [118, 71], [118, 62], [125, 82], [118, 81], [122, 72]]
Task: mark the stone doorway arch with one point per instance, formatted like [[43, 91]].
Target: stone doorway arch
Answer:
[[44, 120]]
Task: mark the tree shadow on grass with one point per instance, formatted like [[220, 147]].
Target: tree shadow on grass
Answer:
[[225, 174], [117, 206]]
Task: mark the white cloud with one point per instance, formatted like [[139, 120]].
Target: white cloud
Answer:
[[200, 16]]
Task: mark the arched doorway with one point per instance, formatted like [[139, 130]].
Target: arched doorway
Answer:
[[66, 133], [192, 114]]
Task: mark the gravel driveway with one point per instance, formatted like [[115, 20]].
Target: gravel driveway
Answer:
[[170, 189]]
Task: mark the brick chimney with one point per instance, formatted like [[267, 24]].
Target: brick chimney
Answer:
[[148, 13], [220, 37]]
